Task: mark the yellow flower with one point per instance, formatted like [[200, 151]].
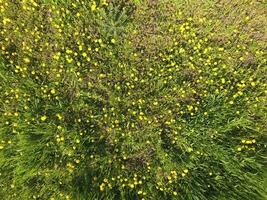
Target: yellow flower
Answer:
[[84, 54], [59, 116], [104, 3], [102, 187], [113, 40], [43, 118], [26, 60], [53, 91], [68, 51], [93, 6], [190, 149], [6, 20], [186, 171]]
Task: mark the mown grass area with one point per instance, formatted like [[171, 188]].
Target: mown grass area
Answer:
[[154, 99]]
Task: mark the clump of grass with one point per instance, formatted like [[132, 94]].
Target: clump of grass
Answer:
[[123, 100]]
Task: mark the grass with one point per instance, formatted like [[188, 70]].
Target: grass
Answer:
[[133, 99]]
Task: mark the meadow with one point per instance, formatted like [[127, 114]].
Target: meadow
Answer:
[[133, 100]]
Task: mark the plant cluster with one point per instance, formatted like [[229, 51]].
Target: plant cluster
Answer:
[[95, 106]]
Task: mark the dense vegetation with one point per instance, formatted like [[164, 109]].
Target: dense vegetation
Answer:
[[153, 99]]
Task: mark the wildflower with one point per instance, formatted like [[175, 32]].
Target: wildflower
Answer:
[[26, 60], [43, 118], [102, 187], [6, 20], [84, 54], [68, 51], [93, 6], [53, 91], [190, 149], [104, 3]]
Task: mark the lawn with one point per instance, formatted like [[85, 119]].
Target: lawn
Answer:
[[133, 100]]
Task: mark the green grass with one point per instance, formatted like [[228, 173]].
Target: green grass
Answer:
[[133, 100]]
